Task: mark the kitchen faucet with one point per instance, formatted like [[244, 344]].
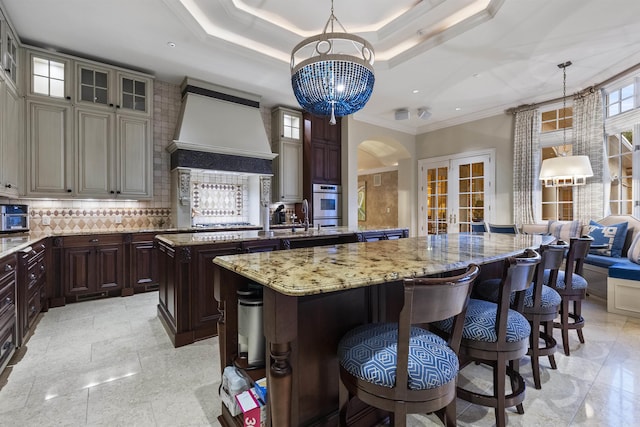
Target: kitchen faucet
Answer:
[[305, 211]]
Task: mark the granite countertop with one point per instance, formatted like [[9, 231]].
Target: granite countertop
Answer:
[[203, 238], [316, 270]]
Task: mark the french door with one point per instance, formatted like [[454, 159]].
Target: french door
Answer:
[[455, 191]]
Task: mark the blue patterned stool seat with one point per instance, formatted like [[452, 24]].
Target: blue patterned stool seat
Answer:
[[489, 289], [579, 282], [480, 323], [369, 352]]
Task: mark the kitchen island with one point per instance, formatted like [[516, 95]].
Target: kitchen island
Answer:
[[313, 296], [186, 305]]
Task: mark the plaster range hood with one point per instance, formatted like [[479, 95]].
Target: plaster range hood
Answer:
[[220, 129]]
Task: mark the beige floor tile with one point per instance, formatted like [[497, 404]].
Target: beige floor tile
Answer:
[[110, 362]]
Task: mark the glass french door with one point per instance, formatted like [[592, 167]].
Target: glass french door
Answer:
[[455, 193]]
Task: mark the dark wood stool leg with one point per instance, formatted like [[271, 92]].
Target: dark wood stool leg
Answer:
[[499, 391], [534, 346], [564, 326], [577, 309], [548, 329]]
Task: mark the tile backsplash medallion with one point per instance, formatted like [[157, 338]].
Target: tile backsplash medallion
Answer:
[[219, 198], [103, 215]]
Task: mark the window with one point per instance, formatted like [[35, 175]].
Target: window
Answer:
[[620, 157], [557, 119], [620, 100], [48, 77]]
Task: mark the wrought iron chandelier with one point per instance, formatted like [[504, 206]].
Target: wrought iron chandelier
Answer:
[[332, 72], [565, 170]]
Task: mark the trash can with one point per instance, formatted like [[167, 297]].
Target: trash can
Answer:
[[250, 332]]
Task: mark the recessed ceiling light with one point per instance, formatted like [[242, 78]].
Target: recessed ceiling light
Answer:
[[171, 44], [458, 108], [415, 91]]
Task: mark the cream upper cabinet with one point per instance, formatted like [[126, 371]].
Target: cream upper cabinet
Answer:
[[94, 86], [114, 155], [286, 141], [9, 53], [49, 76], [124, 92], [99, 117], [50, 150], [133, 92], [12, 156]]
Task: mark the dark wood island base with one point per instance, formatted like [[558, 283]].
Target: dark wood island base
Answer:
[[313, 296]]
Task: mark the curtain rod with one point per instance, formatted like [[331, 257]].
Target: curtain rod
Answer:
[[583, 92]]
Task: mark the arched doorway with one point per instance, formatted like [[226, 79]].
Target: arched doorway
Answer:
[[378, 201]]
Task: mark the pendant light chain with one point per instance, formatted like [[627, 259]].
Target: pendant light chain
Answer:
[[564, 105]]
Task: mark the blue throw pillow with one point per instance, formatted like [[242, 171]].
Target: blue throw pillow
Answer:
[[611, 235]]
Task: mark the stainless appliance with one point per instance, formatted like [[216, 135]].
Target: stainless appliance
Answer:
[[326, 204], [14, 218]]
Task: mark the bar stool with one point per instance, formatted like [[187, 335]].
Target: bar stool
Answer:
[[402, 368], [496, 335], [539, 304], [572, 288]]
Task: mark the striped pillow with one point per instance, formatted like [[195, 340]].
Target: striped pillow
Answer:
[[634, 250], [565, 230]]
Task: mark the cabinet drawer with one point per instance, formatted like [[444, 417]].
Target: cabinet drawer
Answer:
[[34, 306], [7, 298], [7, 270], [91, 240], [7, 340]]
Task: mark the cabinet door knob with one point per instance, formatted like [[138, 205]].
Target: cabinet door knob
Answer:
[[118, 192], [42, 267], [32, 276], [8, 267], [8, 185], [94, 240], [68, 190], [8, 301], [68, 98], [111, 192]]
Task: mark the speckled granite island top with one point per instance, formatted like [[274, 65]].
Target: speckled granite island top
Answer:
[[324, 269], [203, 238]]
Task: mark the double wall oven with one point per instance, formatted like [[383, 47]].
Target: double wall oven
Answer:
[[327, 205]]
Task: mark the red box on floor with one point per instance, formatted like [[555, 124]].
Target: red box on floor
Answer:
[[253, 411]]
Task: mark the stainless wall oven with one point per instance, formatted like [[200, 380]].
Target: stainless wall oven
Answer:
[[327, 204], [14, 218]]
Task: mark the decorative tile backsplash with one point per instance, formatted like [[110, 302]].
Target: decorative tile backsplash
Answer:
[[69, 219], [219, 198]]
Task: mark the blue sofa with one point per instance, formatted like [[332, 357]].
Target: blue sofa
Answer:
[[616, 280]]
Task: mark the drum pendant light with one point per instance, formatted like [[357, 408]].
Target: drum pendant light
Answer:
[[565, 170], [332, 72]]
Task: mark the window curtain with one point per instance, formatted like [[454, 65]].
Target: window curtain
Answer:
[[589, 199], [527, 194]]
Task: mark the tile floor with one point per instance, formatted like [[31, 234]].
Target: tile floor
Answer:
[[109, 362]]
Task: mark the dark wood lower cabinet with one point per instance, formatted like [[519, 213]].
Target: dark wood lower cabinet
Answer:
[[8, 298], [187, 306], [93, 266], [31, 289], [142, 258]]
